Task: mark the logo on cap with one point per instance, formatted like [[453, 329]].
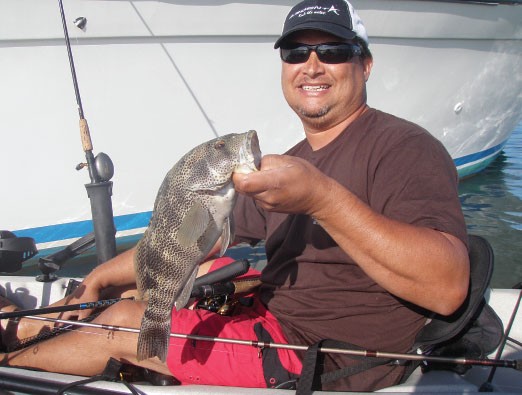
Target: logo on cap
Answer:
[[315, 10], [334, 10], [336, 17]]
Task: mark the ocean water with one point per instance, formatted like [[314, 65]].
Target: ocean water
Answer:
[[492, 206]]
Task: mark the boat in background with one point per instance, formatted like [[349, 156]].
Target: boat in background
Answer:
[[159, 77]]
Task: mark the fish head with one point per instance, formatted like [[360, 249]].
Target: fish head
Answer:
[[217, 159], [249, 154]]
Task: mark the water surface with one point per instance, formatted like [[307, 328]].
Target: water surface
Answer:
[[492, 205]]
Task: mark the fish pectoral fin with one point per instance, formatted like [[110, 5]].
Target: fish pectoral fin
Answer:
[[197, 184], [204, 188], [194, 225], [227, 234], [184, 297]]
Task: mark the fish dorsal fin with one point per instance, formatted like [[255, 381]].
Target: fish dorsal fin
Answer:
[[184, 297], [227, 234], [194, 225]]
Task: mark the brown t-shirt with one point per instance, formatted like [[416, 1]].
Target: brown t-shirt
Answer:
[[311, 285]]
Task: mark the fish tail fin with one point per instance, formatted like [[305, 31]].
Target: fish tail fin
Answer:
[[154, 337]]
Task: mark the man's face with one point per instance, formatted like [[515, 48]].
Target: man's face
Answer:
[[324, 95]]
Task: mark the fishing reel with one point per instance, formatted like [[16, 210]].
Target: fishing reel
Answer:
[[223, 304], [103, 165], [217, 292], [217, 298], [220, 304]]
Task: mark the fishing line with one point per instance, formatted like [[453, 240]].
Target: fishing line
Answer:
[[515, 364], [44, 332], [178, 71], [47, 332]]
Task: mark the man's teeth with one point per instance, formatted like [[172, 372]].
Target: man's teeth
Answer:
[[315, 88]]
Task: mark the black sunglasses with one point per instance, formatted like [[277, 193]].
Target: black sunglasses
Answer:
[[332, 53]]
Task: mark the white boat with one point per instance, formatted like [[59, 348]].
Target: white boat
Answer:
[[158, 77]]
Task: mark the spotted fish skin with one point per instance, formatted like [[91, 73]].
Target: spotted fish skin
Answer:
[[193, 209]]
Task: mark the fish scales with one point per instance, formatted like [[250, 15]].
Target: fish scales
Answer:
[[193, 209]]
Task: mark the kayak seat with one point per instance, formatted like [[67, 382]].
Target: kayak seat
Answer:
[[474, 330]]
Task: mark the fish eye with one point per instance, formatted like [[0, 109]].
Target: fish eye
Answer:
[[219, 144]]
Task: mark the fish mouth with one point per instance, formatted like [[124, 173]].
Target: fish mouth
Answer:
[[249, 154]]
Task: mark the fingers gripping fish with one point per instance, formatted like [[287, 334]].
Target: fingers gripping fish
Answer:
[[193, 209]]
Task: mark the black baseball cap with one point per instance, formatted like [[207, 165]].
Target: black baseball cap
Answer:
[[337, 17]]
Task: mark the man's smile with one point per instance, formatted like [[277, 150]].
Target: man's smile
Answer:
[[315, 88]]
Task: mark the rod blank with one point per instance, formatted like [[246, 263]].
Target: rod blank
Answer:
[[515, 364]]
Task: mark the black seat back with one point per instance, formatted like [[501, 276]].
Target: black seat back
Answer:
[[444, 328], [474, 330]]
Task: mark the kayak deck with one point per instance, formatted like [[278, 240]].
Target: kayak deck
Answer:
[[28, 293]]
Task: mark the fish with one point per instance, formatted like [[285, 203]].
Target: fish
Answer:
[[192, 210]]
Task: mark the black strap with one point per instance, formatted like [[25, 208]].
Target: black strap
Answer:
[[312, 376], [351, 370], [112, 372], [309, 377]]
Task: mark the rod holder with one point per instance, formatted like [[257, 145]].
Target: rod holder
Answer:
[[102, 217]]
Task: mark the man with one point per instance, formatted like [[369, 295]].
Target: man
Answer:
[[363, 227]]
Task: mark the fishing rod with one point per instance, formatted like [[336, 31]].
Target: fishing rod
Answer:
[[84, 127], [61, 309], [210, 284], [100, 169], [515, 364]]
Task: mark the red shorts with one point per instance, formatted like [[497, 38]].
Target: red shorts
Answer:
[[214, 363]]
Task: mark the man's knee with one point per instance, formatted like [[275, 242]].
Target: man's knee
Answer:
[[127, 313]]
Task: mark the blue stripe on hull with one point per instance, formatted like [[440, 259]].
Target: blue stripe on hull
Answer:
[[71, 230], [478, 161]]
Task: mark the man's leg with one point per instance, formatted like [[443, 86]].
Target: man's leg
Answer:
[[85, 351], [13, 331]]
